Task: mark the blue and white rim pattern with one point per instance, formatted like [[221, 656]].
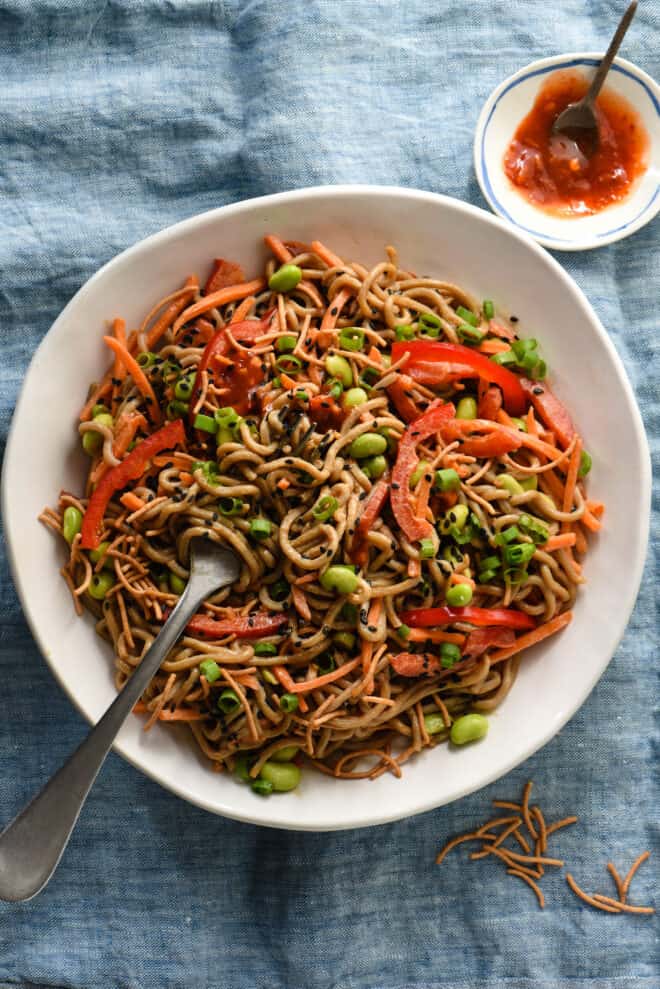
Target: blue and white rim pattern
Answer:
[[569, 64]]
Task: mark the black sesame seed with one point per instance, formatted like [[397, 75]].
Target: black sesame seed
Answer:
[[394, 486], [372, 628], [513, 319], [537, 391], [363, 495], [428, 477], [334, 311]]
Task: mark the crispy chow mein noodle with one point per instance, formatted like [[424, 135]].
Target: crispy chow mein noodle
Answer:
[[404, 491]]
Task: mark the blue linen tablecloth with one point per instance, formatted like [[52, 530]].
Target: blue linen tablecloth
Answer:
[[119, 118]]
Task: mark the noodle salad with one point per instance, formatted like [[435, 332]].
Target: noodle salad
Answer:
[[404, 491]]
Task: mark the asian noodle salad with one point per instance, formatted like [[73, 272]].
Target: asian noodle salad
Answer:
[[404, 491]]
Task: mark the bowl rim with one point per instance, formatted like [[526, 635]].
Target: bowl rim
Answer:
[[480, 158], [286, 817]]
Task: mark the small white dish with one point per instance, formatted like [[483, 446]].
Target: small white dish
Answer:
[[503, 111], [434, 234]]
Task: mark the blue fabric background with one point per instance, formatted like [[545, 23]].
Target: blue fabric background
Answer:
[[117, 119]]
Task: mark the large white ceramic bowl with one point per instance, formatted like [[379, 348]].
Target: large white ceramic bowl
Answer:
[[436, 235]]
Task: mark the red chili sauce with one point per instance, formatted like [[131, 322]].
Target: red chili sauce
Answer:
[[555, 172]]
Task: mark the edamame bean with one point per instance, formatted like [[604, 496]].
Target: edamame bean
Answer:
[[96, 554], [466, 408], [458, 595], [285, 278], [355, 396], [519, 424], [375, 467], [338, 367], [346, 640], [71, 523], [367, 445], [100, 584], [177, 585], [434, 723], [469, 728], [339, 578], [283, 776], [286, 754], [458, 516]]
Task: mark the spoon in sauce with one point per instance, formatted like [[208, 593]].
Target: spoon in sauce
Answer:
[[578, 122]]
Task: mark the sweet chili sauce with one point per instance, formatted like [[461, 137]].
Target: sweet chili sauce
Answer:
[[558, 174]]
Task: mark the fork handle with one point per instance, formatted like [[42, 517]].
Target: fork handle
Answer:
[[32, 844], [615, 43]]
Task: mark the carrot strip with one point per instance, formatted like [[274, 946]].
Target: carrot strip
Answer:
[[119, 330], [131, 501], [555, 485], [460, 578], [242, 310], [435, 635], [530, 422], [284, 483], [278, 248], [288, 382], [324, 335], [138, 375], [288, 683], [332, 260], [559, 542], [531, 638], [505, 419], [204, 330], [493, 347], [571, 478], [300, 603], [589, 520], [181, 714], [171, 313], [580, 541], [186, 478], [306, 685], [232, 293], [596, 508]]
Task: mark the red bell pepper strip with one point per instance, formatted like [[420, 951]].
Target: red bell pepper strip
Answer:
[[223, 273], [401, 400], [242, 626], [370, 512], [482, 639], [432, 421], [426, 351], [440, 375], [503, 617], [490, 401], [496, 441], [246, 373], [130, 469], [553, 413]]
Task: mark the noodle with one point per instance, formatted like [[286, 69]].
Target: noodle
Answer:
[[285, 446]]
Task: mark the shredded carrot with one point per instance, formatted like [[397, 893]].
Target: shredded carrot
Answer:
[[168, 316], [596, 508], [589, 520], [307, 578], [531, 638], [181, 461], [530, 422], [119, 330], [324, 335], [435, 635], [306, 685], [181, 714], [131, 501], [559, 542], [242, 310], [139, 377], [300, 603], [231, 293], [204, 330], [278, 248], [460, 578], [247, 680], [332, 260], [422, 494], [505, 419], [288, 683], [287, 382], [186, 478], [284, 483], [493, 347], [571, 477]]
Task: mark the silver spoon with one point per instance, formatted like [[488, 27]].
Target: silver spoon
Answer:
[[32, 845], [578, 121]]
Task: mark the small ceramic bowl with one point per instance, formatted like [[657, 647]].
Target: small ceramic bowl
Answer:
[[503, 111]]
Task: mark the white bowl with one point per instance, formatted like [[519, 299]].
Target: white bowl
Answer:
[[435, 234], [505, 108]]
